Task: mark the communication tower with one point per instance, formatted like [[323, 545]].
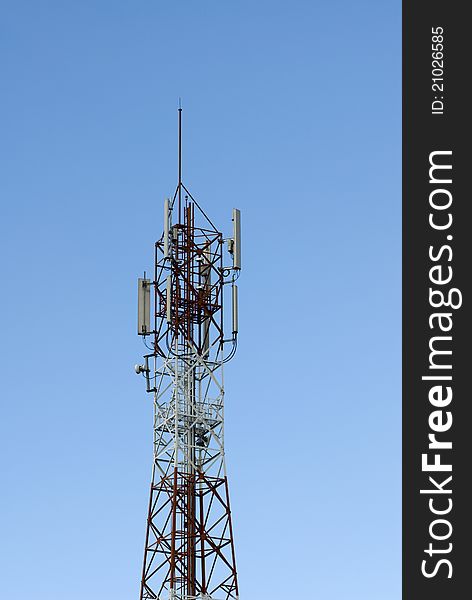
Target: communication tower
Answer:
[[189, 550]]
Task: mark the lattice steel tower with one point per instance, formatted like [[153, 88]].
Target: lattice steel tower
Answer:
[[189, 549]]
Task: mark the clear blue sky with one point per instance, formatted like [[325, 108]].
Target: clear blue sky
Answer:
[[292, 114]]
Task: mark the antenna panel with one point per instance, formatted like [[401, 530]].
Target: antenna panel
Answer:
[[166, 228], [144, 306], [236, 238], [235, 309], [169, 299]]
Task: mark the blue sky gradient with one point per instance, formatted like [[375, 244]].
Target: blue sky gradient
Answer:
[[292, 113]]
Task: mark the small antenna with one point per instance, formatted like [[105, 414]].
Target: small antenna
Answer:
[[236, 238]]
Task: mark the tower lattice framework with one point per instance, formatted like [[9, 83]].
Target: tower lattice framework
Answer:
[[189, 549]]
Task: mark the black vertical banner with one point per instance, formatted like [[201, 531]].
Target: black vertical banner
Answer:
[[437, 303]]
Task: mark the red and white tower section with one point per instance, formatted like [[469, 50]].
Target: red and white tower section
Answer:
[[189, 549]]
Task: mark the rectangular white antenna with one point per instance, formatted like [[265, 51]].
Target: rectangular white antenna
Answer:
[[169, 299], [144, 305], [146, 373], [236, 238], [235, 308], [205, 276], [206, 337], [166, 228]]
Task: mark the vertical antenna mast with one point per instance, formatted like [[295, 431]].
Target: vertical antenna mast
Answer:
[[189, 549], [179, 187]]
